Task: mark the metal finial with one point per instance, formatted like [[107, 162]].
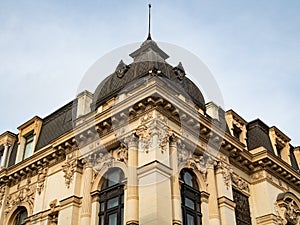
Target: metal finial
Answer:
[[149, 23]]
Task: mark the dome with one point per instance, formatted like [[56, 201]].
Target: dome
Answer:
[[149, 57]]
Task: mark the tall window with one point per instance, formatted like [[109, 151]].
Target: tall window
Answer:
[[190, 199], [21, 216], [1, 153], [28, 150], [112, 198], [242, 210]]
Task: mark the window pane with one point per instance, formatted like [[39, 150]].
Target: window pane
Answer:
[[21, 217], [188, 179], [114, 178], [189, 203], [28, 149], [102, 206], [112, 219], [112, 203], [190, 220]]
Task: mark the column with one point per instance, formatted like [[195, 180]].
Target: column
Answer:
[[213, 208], [85, 217], [175, 190], [132, 203], [4, 157]]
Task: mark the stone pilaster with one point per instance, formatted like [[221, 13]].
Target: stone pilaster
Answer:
[[85, 217], [176, 201], [224, 190], [214, 217], [132, 203]]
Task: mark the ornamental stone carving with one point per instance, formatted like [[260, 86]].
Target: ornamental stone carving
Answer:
[[42, 173], [279, 219], [198, 163], [183, 154], [225, 169], [121, 69], [154, 134], [239, 183], [69, 168], [23, 195], [147, 117], [144, 137], [287, 209], [53, 214], [122, 154], [292, 213], [98, 160]]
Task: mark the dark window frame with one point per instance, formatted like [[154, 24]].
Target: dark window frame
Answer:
[[190, 194], [109, 193], [242, 209]]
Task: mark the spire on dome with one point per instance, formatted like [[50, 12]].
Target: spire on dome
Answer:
[[149, 23]]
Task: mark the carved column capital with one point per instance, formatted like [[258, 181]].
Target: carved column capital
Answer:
[[211, 163], [131, 140]]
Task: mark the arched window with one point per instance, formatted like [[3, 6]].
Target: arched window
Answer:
[[190, 199], [21, 216], [112, 198]]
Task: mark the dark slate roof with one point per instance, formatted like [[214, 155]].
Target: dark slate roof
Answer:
[[55, 125], [258, 135], [293, 158], [148, 57]]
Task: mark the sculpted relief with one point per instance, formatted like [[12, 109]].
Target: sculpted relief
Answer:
[[287, 209]]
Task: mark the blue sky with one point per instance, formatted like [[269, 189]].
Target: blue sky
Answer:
[[251, 47]]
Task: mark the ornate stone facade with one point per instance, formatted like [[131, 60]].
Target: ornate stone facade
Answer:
[[149, 121]]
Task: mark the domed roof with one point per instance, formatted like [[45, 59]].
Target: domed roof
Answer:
[[148, 59]]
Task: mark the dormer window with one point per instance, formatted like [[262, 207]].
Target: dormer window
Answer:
[[280, 144], [27, 138], [28, 149], [237, 126], [236, 131]]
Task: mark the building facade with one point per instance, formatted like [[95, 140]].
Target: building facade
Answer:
[[145, 148]]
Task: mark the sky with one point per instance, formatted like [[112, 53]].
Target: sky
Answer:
[[252, 48]]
